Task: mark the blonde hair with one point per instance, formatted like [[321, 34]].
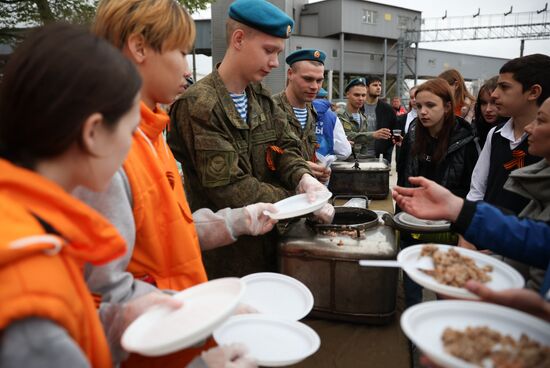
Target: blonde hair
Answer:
[[232, 25], [164, 24], [453, 76]]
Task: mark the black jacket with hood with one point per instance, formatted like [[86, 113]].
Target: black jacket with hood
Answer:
[[454, 172]]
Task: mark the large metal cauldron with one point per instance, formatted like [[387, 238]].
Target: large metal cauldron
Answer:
[[325, 258]]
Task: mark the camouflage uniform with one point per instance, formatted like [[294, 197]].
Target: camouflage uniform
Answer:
[[224, 162], [361, 138], [306, 135]]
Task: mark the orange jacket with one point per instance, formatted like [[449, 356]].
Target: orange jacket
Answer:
[[36, 280], [167, 247]]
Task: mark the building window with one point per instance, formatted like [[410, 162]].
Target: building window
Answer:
[[334, 53], [369, 16]]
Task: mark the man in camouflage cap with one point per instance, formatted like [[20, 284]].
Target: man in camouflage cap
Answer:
[[235, 145], [304, 79]]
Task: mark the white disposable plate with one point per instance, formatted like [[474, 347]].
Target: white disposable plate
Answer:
[[298, 205], [161, 331], [424, 324], [410, 220], [277, 295], [503, 276], [271, 341]]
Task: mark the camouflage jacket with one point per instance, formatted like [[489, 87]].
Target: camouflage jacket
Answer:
[[226, 161], [306, 135], [358, 134]]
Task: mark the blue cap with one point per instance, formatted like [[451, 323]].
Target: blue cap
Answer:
[[263, 16], [322, 93], [306, 54], [356, 82]]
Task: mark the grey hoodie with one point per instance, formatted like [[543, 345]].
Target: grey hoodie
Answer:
[[533, 182]]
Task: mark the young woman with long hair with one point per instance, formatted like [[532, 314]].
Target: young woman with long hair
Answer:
[[439, 146], [463, 100]]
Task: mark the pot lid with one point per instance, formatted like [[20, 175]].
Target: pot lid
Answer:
[[409, 222]]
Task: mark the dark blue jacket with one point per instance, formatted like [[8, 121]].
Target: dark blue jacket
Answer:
[[324, 130], [524, 240]]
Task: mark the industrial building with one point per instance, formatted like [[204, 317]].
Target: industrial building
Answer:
[[360, 38]]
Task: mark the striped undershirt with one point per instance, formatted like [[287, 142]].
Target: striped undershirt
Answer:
[[357, 118], [301, 115], [241, 104]]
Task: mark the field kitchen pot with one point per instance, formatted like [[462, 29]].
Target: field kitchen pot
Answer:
[[423, 231], [325, 258], [368, 176]]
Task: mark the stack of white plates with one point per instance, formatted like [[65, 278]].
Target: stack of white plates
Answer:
[[274, 337]]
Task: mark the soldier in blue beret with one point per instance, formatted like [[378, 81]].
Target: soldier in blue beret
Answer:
[[305, 55], [304, 79], [354, 121], [355, 82], [234, 143], [263, 16], [322, 93]]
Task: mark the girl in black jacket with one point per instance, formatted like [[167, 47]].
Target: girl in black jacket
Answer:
[[441, 147]]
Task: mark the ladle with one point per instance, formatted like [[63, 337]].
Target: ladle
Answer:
[[425, 263]]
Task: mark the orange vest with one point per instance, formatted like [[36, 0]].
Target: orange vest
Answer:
[[167, 248], [38, 281]]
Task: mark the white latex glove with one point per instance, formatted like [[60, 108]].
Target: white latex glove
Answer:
[[116, 317], [251, 220], [325, 161], [228, 356], [136, 307], [325, 214], [320, 172], [311, 186]]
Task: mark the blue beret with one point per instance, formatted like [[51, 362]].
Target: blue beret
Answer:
[[322, 93], [356, 82], [263, 16], [306, 54]]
